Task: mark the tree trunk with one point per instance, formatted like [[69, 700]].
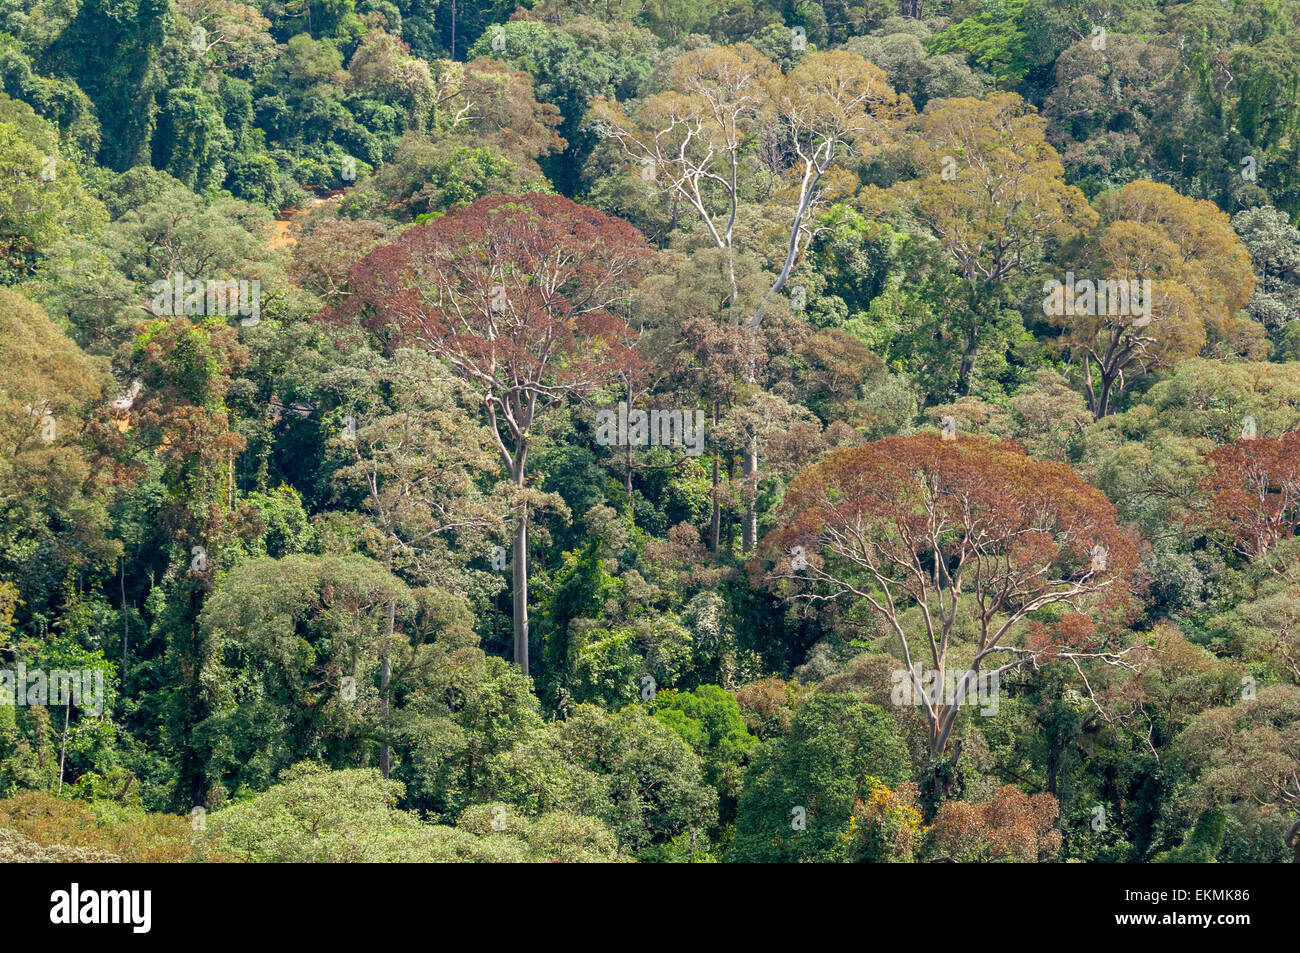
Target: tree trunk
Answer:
[[126, 623], [716, 530], [1104, 393], [520, 567], [731, 511], [749, 534], [63, 745], [974, 302], [385, 677], [968, 360]]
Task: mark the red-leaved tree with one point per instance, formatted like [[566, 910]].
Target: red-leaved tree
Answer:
[[940, 537], [518, 295], [1253, 492]]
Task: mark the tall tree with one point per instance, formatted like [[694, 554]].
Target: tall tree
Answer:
[[695, 141], [992, 191], [954, 530], [517, 294]]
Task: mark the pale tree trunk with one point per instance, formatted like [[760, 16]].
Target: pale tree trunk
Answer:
[[63, 745], [385, 678], [749, 534], [126, 622], [520, 568], [808, 187], [716, 529]]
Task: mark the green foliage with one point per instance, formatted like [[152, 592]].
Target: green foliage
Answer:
[[276, 540], [800, 789]]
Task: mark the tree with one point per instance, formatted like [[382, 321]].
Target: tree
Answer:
[[180, 432], [1215, 264], [417, 460], [321, 816], [1274, 246], [731, 119], [1009, 826], [1120, 343], [625, 768], [965, 529], [709, 720], [693, 139], [1200, 277], [1253, 493], [1115, 112], [54, 480], [42, 198], [111, 49], [800, 789], [1243, 759], [161, 231], [297, 627], [992, 190], [516, 294], [830, 106], [570, 66]]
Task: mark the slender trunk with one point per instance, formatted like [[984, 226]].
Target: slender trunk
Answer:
[[521, 591], [126, 623], [519, 565], [716, 530], [806, 190], [1089, 391], [385, 678], [971, 353], [731, 512], [968, 360], [749, 533], [63, 745]]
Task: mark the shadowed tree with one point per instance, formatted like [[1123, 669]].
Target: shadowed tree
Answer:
[[992, 191]]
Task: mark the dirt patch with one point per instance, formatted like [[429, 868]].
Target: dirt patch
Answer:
[[284, 230]]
